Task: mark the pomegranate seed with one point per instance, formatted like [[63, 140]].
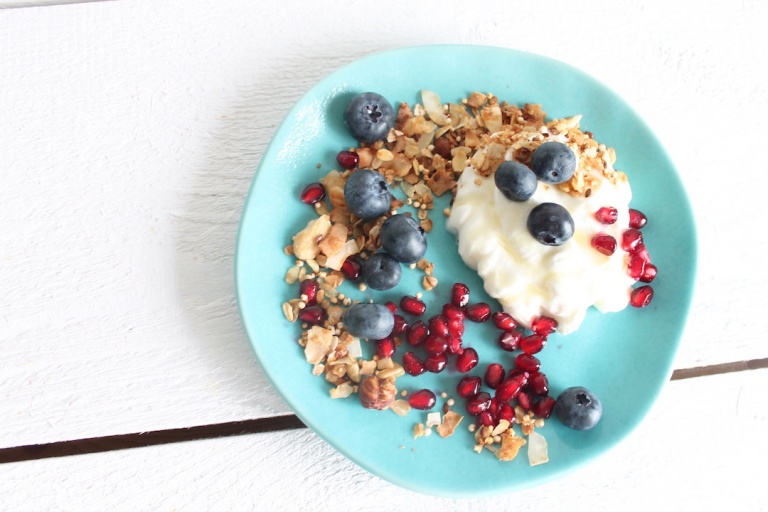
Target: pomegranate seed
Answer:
[[528, 363], [637, 219], [544, 407], [391, 306], [533, 344], [454, 345], [478, 403], [385, 348], [469, 386], [507, 390], [524, 400], [486, 419], [510, 340], [452, 312], [641, 252], [412, 364], [607, 214], [413, 305], [313, 315], [605, 244], [641, 297], [351, 268], [505, 412], [503, 321], [630, 239], [635, 267], [544, 325], [538, 384], [649, 273], [456, 327], [438, 325], [436, 363], [459, 295], [401, 325], [308, 288], [422, 399], [313, 193], [435, 344], [521, 375], [479, 312], [494, 374], [347, 159], [416, 333], [466, 360]]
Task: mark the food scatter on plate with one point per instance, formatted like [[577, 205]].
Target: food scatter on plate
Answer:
[[539, 212]]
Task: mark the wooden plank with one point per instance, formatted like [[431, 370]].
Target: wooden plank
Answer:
[[131, 132], [697, 450]]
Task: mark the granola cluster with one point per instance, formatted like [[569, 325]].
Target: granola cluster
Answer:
[[423, 156]]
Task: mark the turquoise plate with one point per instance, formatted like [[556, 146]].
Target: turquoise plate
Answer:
[[625, 358]]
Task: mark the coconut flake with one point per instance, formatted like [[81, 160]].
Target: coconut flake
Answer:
[[433, 107], [537, 449]]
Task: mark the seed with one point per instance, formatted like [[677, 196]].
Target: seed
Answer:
[[510, 340], [313, 315], [478, 403], [637, 219], [544, 407], [486, 419], [505, 412], [635, 267], [533, 344], [438, 325], [494, 374], [351, 268], [503, 321], [413, 305], [507, 390], [459, 295], [385, 348], [544, 325], [435, 344], [630, 239], [456, 327], [348, 159], [416, 333], [454, 345], [528, 363], [422, 399], [639, 298], [607, 214], [313, 193], [479, 312], [649, 273], [524, 400], [538, 384], [452, 312], [436, 363], [605, 244], [401, 325], [412, 364], [468, 386], [309, 288], [467, 360]]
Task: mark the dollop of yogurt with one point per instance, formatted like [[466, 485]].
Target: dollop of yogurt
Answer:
[[530, 279]]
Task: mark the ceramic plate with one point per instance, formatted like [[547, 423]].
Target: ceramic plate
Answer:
[[625, 357]]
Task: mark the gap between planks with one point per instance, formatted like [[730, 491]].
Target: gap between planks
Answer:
[[255, 426]]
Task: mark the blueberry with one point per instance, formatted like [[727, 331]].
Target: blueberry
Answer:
[[516, 181], [367, 194], [381, 271], [553, 162], [369, 117], [403, 238], [366, 320], [578, 408], [550, 224]]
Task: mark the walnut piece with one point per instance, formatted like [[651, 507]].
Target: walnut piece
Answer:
[[376, 393]]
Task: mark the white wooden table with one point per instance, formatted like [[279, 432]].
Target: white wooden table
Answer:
[[129, 134]]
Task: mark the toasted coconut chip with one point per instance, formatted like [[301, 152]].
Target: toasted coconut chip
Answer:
[[400, 407], [433, 419], [537, 449], [341, 391], [434, 107], [451, 420]]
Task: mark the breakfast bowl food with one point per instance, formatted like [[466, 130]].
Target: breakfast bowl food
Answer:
[[466, 356]]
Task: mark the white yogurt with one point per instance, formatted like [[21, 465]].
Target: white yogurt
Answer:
[[530, 279]]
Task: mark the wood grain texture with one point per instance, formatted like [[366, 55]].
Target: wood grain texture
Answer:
[[684, 457], [131, 132]]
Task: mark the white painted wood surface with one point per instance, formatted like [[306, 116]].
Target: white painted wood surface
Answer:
[[699, 450], [129, 134]]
